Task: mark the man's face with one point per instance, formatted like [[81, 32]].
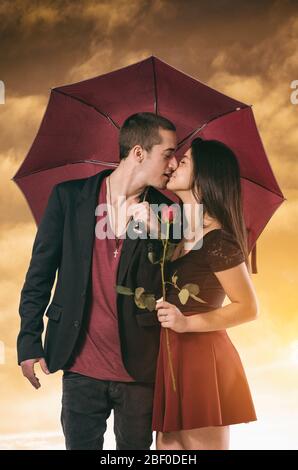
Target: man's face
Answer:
[[160, 162]]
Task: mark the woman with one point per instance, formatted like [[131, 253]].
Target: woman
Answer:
[[211, 386]]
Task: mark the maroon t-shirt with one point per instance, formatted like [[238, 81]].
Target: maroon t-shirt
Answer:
[[100, 354]]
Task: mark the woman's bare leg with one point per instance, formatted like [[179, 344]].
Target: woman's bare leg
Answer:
[[209, 438], [168, 441]]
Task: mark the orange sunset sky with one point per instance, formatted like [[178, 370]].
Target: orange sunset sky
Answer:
[[248, 50]]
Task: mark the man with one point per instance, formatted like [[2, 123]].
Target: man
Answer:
[[106, 346]]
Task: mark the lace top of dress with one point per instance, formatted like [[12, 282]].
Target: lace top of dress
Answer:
[[219, 251]]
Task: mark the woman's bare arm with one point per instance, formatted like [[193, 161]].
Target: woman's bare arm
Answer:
[[239, 288]]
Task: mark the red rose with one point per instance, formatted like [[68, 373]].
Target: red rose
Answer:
[[169, 213]]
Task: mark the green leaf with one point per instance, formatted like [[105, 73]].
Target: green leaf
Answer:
[[139, 291], [150, 301], [124, 290], [192, 288], [183, 296], [197, 298], [140, 302]]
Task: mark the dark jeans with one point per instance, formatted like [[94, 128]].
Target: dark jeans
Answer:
[[87, 404]]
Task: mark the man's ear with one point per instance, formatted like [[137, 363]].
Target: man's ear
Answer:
[[138, 152], [139, 155]]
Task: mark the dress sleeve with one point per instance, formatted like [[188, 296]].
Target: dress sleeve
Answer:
[[223, 252]]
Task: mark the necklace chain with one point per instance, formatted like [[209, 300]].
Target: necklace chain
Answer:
[[116, 238]]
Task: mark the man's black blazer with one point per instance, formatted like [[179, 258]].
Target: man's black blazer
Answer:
[[64, 242]]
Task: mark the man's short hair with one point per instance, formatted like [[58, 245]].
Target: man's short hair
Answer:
[[142, 129]]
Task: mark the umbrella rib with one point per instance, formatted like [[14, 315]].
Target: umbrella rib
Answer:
[[96, 162], [88, 104], [213, 119], [262, 186], [208, 122]]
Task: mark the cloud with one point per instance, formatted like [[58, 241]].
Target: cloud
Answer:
[[15, 248], [19, 121], [266, 86], [13, 206]]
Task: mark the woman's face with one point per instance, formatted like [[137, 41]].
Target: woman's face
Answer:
[[182, 178]]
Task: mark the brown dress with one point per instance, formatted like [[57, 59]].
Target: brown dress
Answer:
[[211, 385]]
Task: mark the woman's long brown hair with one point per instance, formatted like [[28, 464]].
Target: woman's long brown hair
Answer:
[[217, 186]]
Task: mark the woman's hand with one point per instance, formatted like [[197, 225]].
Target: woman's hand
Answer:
[[171, 317]]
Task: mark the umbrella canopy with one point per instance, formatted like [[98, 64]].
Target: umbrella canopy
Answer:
[[78, 135]]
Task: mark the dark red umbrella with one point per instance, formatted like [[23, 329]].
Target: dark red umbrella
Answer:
[[78, 135]]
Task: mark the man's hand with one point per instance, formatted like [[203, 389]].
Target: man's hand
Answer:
[[171, 317], [28, 370], [143, 212]]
